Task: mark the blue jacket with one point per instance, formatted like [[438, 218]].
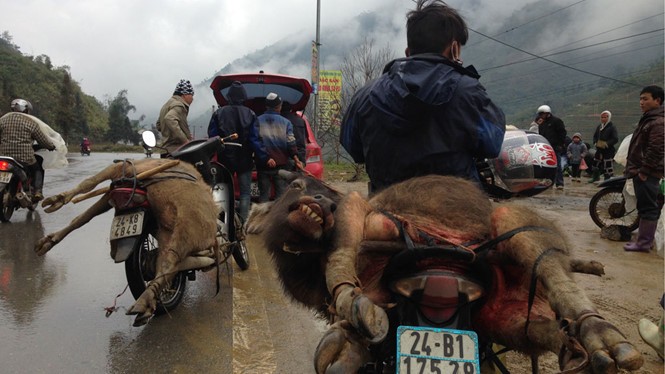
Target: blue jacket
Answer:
[[424, 115], [241, 120], [276, 133]]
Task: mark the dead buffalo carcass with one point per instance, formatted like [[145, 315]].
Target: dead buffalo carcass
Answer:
[[185, 216], [511, 271]]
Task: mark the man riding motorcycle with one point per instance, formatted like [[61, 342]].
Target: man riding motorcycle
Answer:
[[18, 130]]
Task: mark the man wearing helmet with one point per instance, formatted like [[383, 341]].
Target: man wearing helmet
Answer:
[[18, 130], [553, 129], [427, 113]]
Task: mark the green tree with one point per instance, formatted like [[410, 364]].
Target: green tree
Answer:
[[120, 128], [65, 118]]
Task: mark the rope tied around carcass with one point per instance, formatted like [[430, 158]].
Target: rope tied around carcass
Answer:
[[113, 308], [572, 348]]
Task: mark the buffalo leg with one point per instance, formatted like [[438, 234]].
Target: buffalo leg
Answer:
[[356, 221], [606, 345], [45, 244]]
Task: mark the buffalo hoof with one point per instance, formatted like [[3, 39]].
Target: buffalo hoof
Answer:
[[370, 320], [341, 350], [44, 245], [609, 350]]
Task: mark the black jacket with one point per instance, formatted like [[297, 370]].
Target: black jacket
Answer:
[[554, 131]]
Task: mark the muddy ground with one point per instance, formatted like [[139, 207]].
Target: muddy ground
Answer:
[[630, 289]]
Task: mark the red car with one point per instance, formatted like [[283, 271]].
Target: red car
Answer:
[[258, 85]]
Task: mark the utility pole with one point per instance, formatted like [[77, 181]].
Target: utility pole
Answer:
[[315, 79]]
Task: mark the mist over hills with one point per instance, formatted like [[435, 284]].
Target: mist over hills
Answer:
[[601, 53]]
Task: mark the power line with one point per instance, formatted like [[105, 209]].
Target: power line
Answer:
[[525, 74], [531, 21], [572, 50], [552, 61], [610, 30]]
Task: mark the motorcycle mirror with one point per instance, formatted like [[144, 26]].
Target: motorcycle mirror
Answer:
[[149, 138]]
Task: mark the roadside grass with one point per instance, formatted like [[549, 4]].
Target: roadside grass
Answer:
[[343, 172]]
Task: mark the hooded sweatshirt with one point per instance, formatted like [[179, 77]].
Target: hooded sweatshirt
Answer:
[[423, 115]]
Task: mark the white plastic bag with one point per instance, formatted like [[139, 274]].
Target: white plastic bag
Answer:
[[630, 200], [52, 159], [622, 153]]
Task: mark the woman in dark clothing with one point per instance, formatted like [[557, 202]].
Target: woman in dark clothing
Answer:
[[604, 139]]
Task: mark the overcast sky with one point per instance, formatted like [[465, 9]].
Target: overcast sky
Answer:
[[147, 46]]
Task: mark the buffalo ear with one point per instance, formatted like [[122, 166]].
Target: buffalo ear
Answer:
[[256, 221]]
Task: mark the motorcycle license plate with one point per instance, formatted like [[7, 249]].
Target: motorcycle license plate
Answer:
[[254, 191], [5, 177], [126, 225], [434, 350]]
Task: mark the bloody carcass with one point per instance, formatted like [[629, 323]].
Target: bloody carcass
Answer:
[[331, 250]]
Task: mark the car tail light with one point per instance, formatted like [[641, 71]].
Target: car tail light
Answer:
[[6, 166], [126, 198], [313, 155]]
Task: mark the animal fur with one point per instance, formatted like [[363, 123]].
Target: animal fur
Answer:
[[184, 210], [343, 254]]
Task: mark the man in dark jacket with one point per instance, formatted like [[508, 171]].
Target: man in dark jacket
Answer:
[[554, 131], [237, 118], [646, 166], [604, 139], [299, 130], [426, 114]]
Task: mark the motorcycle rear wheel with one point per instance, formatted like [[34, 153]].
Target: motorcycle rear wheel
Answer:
[[140, 269], [6, 204], [607, 207]]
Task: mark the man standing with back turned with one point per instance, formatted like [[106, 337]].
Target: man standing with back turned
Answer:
[[427, 114]]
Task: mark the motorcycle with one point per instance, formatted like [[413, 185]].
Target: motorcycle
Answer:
[[85, 150], [148, 150], [609, 206], [133, 230], [16, 187]]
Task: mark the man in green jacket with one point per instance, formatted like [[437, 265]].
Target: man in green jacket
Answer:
[[172, 122]]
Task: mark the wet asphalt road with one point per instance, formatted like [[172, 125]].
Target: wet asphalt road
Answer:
[[52, 317]]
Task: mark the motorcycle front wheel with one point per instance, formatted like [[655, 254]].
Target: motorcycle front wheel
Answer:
[[140, 269], [6, 204], [608, 207], [240, 253]]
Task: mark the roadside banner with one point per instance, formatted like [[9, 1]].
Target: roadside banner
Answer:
[[330, 98]]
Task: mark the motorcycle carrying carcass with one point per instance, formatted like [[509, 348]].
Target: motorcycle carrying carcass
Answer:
[[427, 275], [169, 221]]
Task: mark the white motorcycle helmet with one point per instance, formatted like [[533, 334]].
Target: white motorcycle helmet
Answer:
[[544, 109], [20, 105]]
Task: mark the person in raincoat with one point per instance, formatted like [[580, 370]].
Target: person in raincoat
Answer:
[[427, 113]]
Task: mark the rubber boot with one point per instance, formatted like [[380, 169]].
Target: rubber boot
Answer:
[[652, 334], [645, 237], [38, 184], [595, 176]]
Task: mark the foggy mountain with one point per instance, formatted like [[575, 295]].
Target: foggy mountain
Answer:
[[600, 52]]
